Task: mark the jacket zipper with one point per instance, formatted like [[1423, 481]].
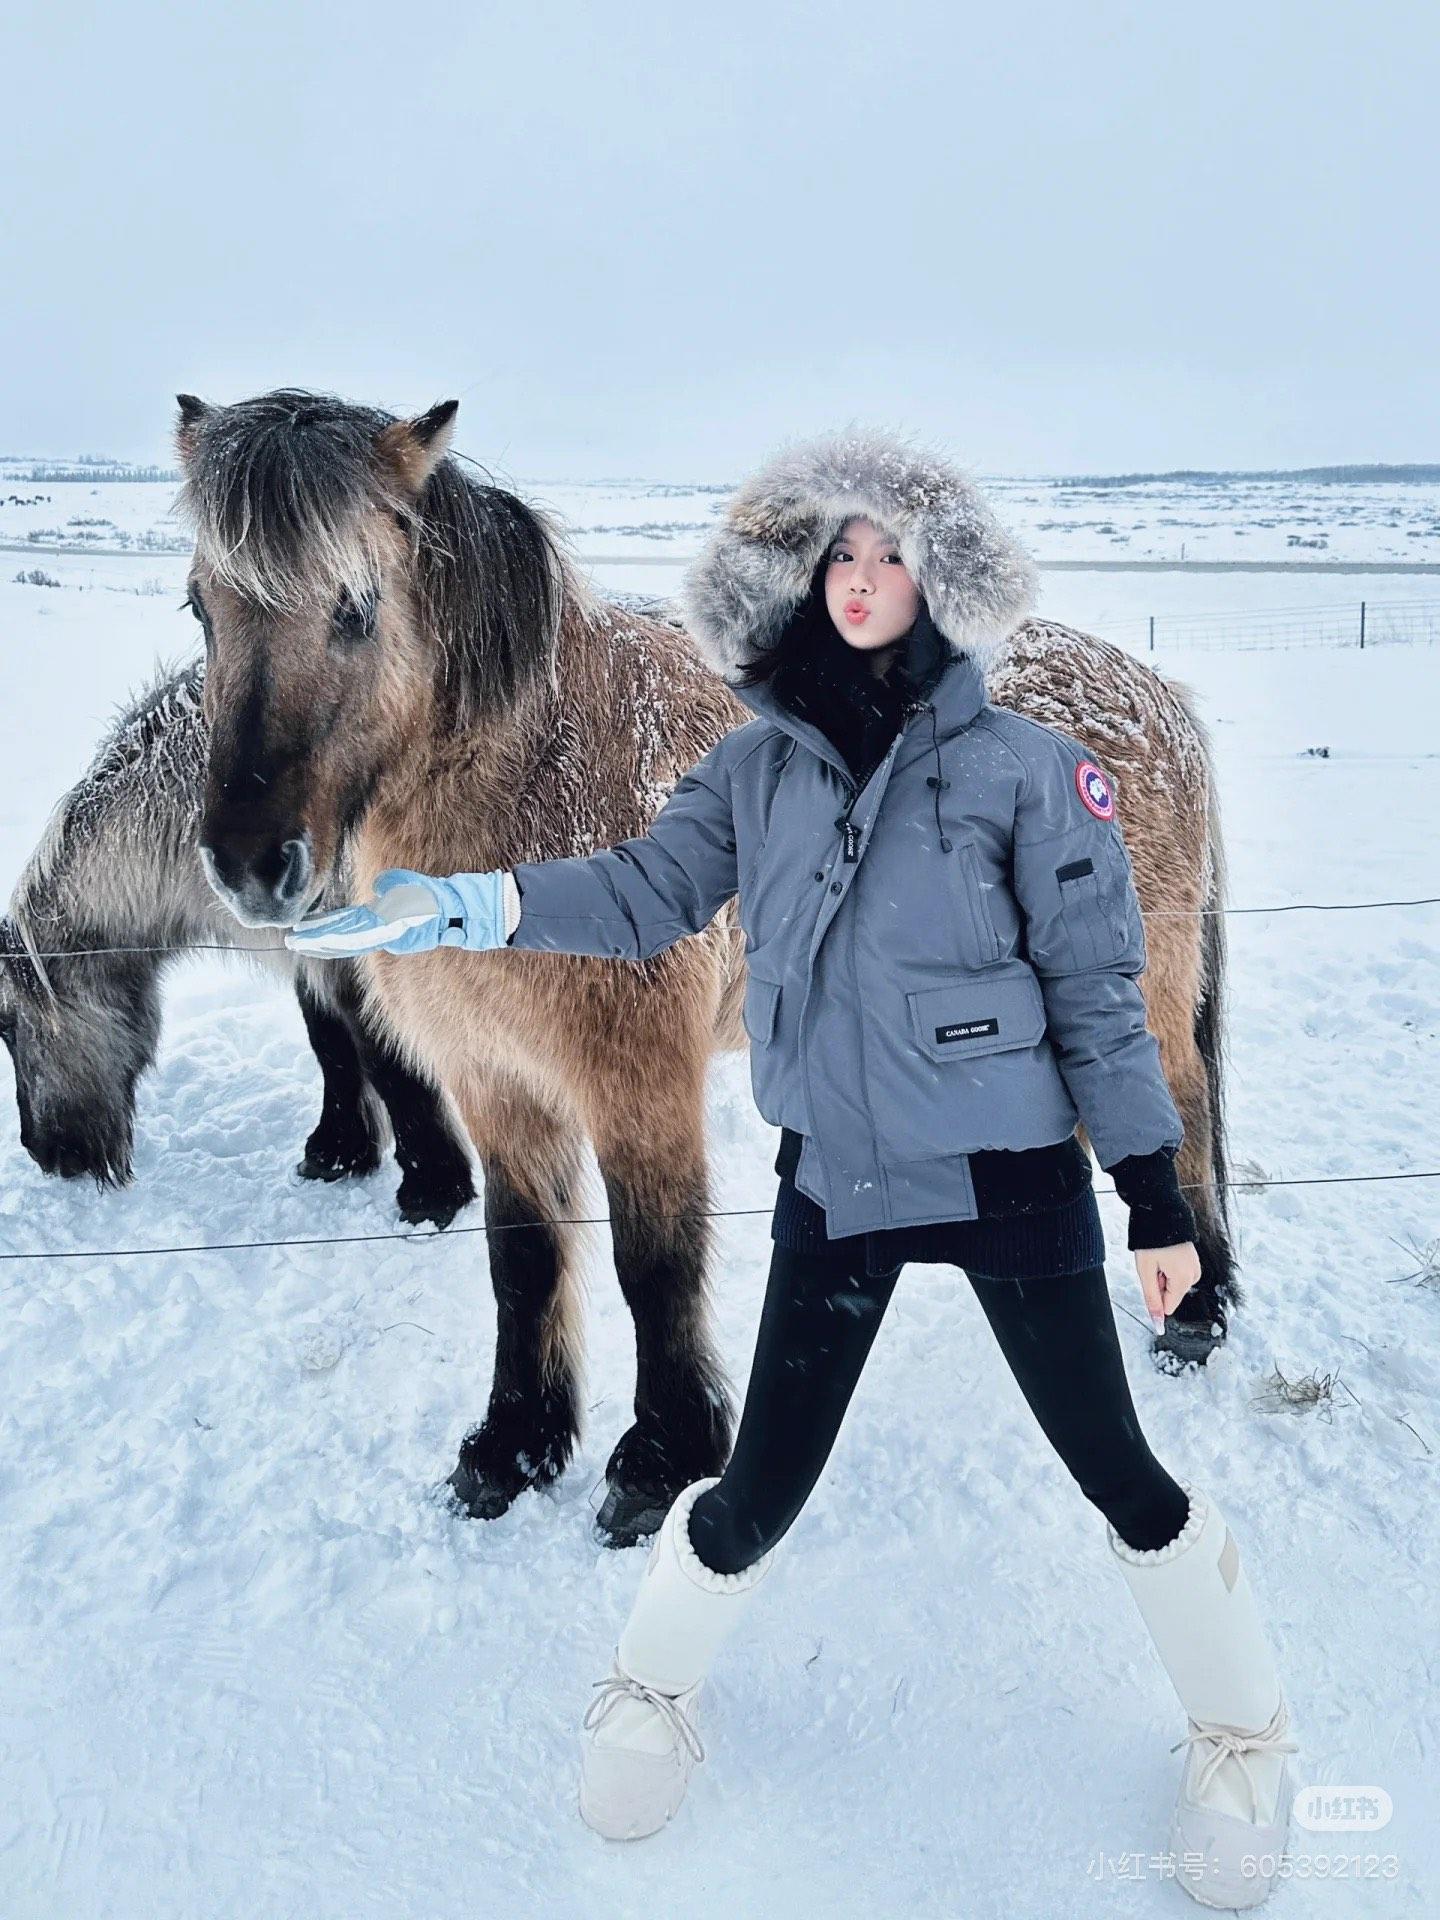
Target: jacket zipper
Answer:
[[845, 823], [852, 846]]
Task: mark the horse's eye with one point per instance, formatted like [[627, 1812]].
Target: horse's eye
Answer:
[[354, 619], [195, 604]]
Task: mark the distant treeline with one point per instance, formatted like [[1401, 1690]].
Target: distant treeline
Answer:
[[1322, 476], [97, 472]]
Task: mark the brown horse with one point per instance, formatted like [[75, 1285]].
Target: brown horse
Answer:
[[406, 669], [404, 663]]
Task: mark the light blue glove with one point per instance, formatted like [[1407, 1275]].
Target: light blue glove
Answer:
[[413, 912]]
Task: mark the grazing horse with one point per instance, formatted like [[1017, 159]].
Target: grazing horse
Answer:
[[116, 872]]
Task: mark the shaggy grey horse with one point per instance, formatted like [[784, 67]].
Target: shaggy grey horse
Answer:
[[117, 867]]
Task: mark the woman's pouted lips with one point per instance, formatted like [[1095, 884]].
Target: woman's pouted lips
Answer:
[[857, 611]]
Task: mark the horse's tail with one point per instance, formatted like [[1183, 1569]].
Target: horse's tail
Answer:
[[1209, 1017]]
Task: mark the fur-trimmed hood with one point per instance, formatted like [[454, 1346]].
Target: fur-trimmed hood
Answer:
[[977, 581]]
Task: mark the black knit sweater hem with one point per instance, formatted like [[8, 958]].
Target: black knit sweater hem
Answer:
[[1033, 1204]]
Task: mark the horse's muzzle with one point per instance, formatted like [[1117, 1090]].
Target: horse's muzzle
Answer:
[[264, 883]]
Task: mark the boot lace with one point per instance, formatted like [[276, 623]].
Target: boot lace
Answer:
[[1234, 1740], [614, 1685]]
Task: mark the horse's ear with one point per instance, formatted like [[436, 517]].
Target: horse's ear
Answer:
[[193, 415], [414, 448]]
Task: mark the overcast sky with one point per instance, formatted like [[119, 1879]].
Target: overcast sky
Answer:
[[654, 240]]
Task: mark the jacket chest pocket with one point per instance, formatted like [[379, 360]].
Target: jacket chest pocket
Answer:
[[936, 904], [979, 941]]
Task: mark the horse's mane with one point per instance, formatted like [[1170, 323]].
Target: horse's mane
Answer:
[[277, 489]]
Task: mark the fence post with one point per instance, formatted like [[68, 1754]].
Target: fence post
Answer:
[[1152, 633], [1362, 623]]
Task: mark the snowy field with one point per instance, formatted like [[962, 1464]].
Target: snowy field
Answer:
[[1240, 520], [252, 1666]]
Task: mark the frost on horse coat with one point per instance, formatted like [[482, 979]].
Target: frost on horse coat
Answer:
[[944, 961]]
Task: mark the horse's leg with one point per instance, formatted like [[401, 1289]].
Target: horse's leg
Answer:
[[532, 1163], [1200, 1322], [436, 1180], [649, 1139], [1203, 1158], [346, 1138]]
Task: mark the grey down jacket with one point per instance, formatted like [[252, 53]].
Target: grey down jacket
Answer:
[[941, 962]]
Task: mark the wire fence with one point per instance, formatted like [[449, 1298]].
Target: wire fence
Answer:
[[1351, 623], [1358, 624], [518, 1226], [1146, 913]]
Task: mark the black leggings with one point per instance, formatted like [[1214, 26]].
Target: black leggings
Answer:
[[818, 1323]]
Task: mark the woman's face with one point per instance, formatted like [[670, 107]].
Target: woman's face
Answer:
[[869, 594]]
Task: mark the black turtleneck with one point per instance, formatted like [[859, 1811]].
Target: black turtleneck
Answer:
[[835, 686]]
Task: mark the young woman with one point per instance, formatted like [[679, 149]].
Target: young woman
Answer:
[[943, 941]]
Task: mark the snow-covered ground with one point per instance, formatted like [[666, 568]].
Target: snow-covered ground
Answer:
[[251, 1665]]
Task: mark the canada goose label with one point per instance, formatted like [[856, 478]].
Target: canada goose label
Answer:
[[967, 1029]]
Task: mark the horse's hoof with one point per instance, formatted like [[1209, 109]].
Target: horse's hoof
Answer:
[[1187, 1341], [644, 1477], [433, 1203], [628, 1516], [338, 1160], [482, 1497], [496, 1467]]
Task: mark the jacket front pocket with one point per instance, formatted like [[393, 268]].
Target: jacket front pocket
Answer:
[[970, 1065], [774, 1099], [971, 1017], [762, 1000]]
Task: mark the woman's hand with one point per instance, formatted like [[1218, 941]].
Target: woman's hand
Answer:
[[1166, 1276]]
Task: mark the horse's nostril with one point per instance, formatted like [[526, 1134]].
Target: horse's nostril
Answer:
[[296, 875], [246, 863], [222, 866]]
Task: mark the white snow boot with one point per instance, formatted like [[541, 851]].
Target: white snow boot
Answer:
[[638, 1742], [1235, 1789]]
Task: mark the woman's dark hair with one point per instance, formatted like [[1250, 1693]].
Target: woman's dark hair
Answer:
[[801, 641]]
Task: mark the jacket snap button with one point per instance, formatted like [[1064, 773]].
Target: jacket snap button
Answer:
[[836, 886], [931, 781], [820, 876]]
